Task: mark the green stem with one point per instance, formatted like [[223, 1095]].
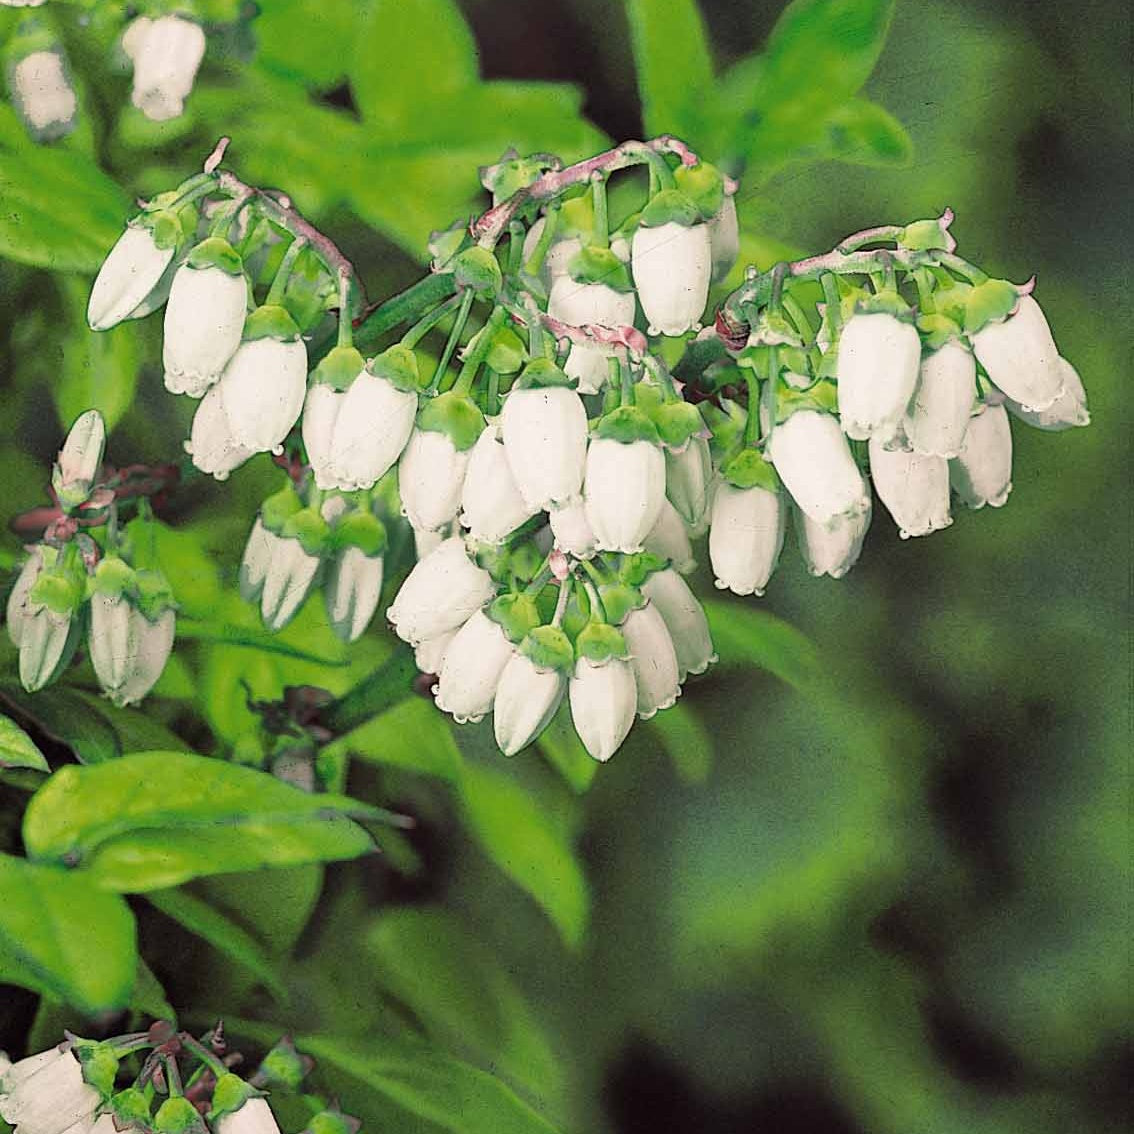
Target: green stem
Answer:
[[194, 1045], [627, 383], [834, 312], [752, 423], [798, 316], [598, 611], [515, 247], [345, 328], [601, 237], [467, 299], [492, 393], [561, 601], [428, 321], [475, 358], [541, 579], [279, 283], [405, 307], [389, 685], [539, 252], [924, 283]]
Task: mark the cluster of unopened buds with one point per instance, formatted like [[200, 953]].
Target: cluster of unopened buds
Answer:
[[553, 469], [164, 51], [182, 1086]]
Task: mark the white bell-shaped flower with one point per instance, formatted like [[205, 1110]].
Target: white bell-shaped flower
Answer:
[[527, 697], [287, 581], [589, 304], [623, 492], [685, 620], [46, 1094], [572, 531], [604, 700], [813, 459], [79, 460], [321, 408], [938, 415], [559, 254], [545, 440], [133, 268], [832, 549], [424, 543], [431, 477], [724, 238], [913, 486], [746, 535], [374, 423], [981, 473], [18, 610], [471, 672], [1021, 356], [669, 539], [44, 643], [672, 264], [1067, 411], [429, 655], [43, 95], [259, 550], [166, 53], [204, 320], [441, 593], [211, 443], [351, 591], [653, 659], [491, 505], [254, 1117], [128, 650], [689, 481], [878, 363]]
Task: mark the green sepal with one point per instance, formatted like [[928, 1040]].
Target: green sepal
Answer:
[[113, 576], [165, 227], [926, 236], [773, 328], [649, 397], [703, 184], [748, 469], [547, 647], [284, 1066], [525, 560], [511, 174], [178, 1116], [516, 614], [131, 1107], [598, 642], [506, 352], [626, 424], [989, 302], [59, 589], [154, 594], [341, 366], [187, 215], [670, 206], [361, 529], [542, 373], [822, 396], [308, 526], [479, 269], [576, 215], [398, 365], [937, 330], [100, 1065], [332, 1122], [677, 422], [270, 322], [637, 568], [886, 301], [278, 508], [592, 265], [229, 1095], [216, 252], [456, 415], [619, 599], [758, 359], [726, 423]]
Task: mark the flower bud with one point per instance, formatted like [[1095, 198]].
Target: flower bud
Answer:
[[132, 269], [258, 553], [527, 697], [474, 663], [431, 477], [545, 441], [981, 473], [746, 535], [685, 620], [604, 700], [43, 95], [815, 464], [672, 263], [321, 409], [572, 531], [211, 443], [939, 413], [669, 539], [832, 549], [589, 304], [204, 318], [166, 53], [127, 649], [877, 372], [238, 1109], [689, 481], [287, 582], [623, 491], [79, 460], [46, 1093], [1067, 411], [724, 238], [913, 486], [491, 505], [43, 616], [653, 660], [1021, 356], [263, 385], [351, 591], [440, 593]]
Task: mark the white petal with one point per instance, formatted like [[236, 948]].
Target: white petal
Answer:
[[473, 665], [42, 93], [110, 639], [254, 1117], [204, 319], [746, 536], [211, 443], [166, 56], [491, 505], [1067, 411], [982, 472], [689, 481], [724, 235], [50, 1099], [623, 492], [321, 409], [938, 415], [526, 700], [669, 539], [372, 428], [572, 531], [45, 642], [19, 608], [877, 372], [913, 486], [352, 590], [429, 655], [431, 476], [653, 658], [832, 549], [671, 266], [291, 572], [262, 391], [131, 270], [685, 620], [604, 700], [545, 441], [1021, 356]]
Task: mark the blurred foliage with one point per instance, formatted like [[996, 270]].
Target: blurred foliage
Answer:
[[889, 892]]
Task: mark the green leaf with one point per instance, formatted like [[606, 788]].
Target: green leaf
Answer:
[[135, 729], [675, 68], [60, 210], [685, 738], [560, 743], [67, 716], [225, 634], [219, 931], [17, 749], [745, 636], [152, 820], [64, 938], [148, 996], [863, 133], [522, 840]]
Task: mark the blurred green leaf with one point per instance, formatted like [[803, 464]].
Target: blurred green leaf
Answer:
[[673, 63], [744, 635], [685, 738], [67, 716], [136, 730], [863, 133], [152, 820], [560, 744], [149, 997], [63, 937], [17, 749]]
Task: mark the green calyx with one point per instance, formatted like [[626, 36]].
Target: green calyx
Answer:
[[670, 206], [926, 236], [359, 529], [886, 301], [989, 302], [517, 615], [626, 424], [270, 322], [229, 1095], [59, 589], [154, 596], [131, 1107], [703, 184], [113, 577], [936, 330], [619, 599], [591, 265], [454, 414], [100, 1066], [309, 527], [823, 396], [547, 647], [341, 366], [505, 352], [216, 252], [577, 215], [278, 508], [478, 269], [331, 1122], [177, 1116], [513, 174], [748, 469], [637, 568], [284, 1066], [598, 642], [677, 422], [165, 227], [542, 373], [398, 366]]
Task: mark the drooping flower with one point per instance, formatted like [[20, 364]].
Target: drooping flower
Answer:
[[604, 700], [913, 486], [278, 571], [429, 655], [672, 260], [689, 481], [981, 473], [1066, 412], [572, 530], [653, 659], [43, 615], [491, 504], [832, 549], [42, 93], [589, 304], [685, 620], [877, 372], [531, 687], [473, 665], [79, 460], [1021, 357], [352, 589], [724, 237], [128, 649], [47, 1094], [132, 269], [166, 53], [746, 535], [938, 415], [211, 443], [669, 539]]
